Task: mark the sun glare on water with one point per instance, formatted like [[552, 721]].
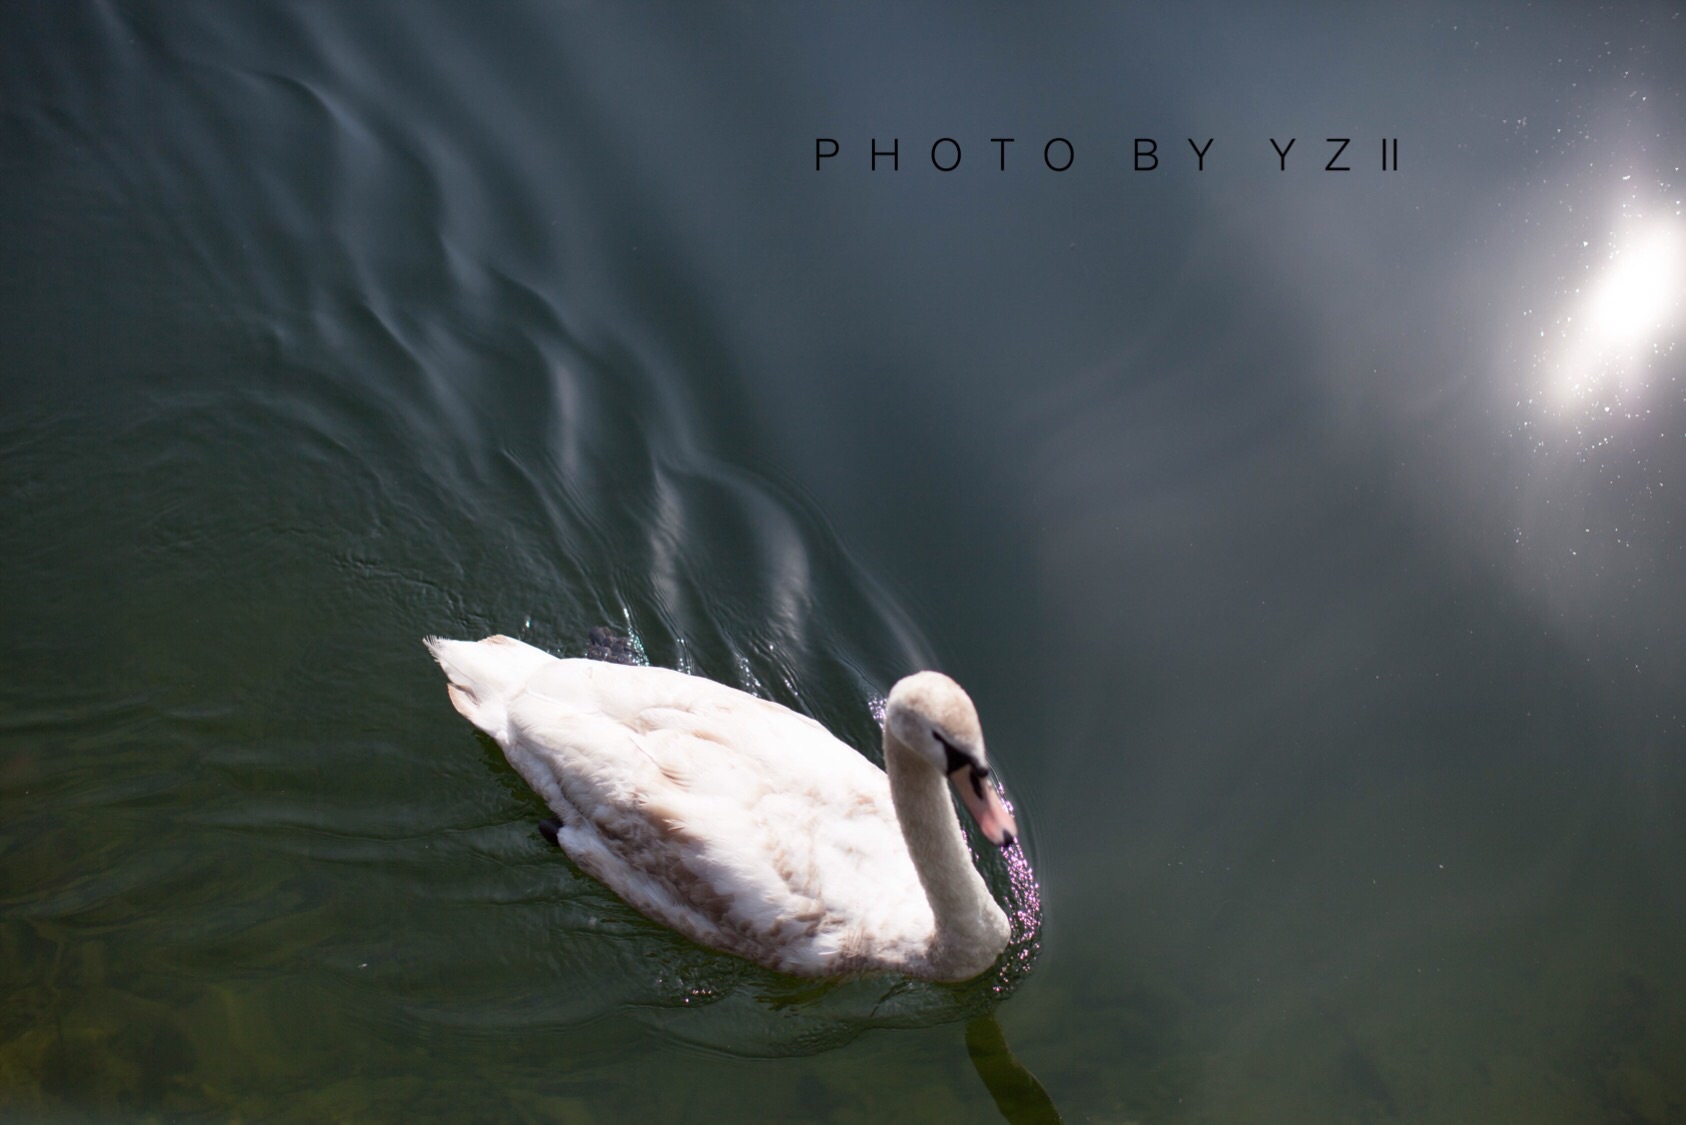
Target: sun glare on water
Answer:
[[1628, 314], [1639, 294]]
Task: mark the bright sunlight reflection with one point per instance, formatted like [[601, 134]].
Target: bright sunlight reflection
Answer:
[[1641, 289], [1627, 314]]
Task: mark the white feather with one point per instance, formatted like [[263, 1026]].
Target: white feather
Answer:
[[741, 824]]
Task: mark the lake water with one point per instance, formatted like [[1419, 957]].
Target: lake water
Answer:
[[1312, 541]]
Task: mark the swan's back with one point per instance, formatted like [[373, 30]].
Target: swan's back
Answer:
[[732, 819]]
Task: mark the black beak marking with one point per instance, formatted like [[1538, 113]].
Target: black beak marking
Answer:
[[956, 759]]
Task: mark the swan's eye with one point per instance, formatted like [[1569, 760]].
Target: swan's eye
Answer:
[[954, 759]]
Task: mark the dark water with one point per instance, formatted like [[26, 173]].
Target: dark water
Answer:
[[1311, 542]]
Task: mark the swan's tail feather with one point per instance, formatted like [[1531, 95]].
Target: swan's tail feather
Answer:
[[483, 675]]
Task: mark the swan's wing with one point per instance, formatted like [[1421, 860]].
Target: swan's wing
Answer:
[[736, 821]]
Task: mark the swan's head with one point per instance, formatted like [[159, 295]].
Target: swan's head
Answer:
[[932, 716]]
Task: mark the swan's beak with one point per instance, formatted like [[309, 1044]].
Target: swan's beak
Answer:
[[978, 794]]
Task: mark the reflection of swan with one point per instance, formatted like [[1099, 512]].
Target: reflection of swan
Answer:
[[746, 826], [1021, 1099]]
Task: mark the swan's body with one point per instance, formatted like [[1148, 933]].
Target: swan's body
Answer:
[[746, 826]]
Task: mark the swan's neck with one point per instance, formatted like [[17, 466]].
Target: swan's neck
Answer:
[[971, 930]]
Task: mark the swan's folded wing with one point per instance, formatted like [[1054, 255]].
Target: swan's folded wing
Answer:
[[767, 837]]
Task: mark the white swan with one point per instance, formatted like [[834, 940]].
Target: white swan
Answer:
[[746, 826]]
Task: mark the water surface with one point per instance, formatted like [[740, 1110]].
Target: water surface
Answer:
[[1308, 540]]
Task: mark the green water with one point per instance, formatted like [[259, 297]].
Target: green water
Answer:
[[1314, 572]]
